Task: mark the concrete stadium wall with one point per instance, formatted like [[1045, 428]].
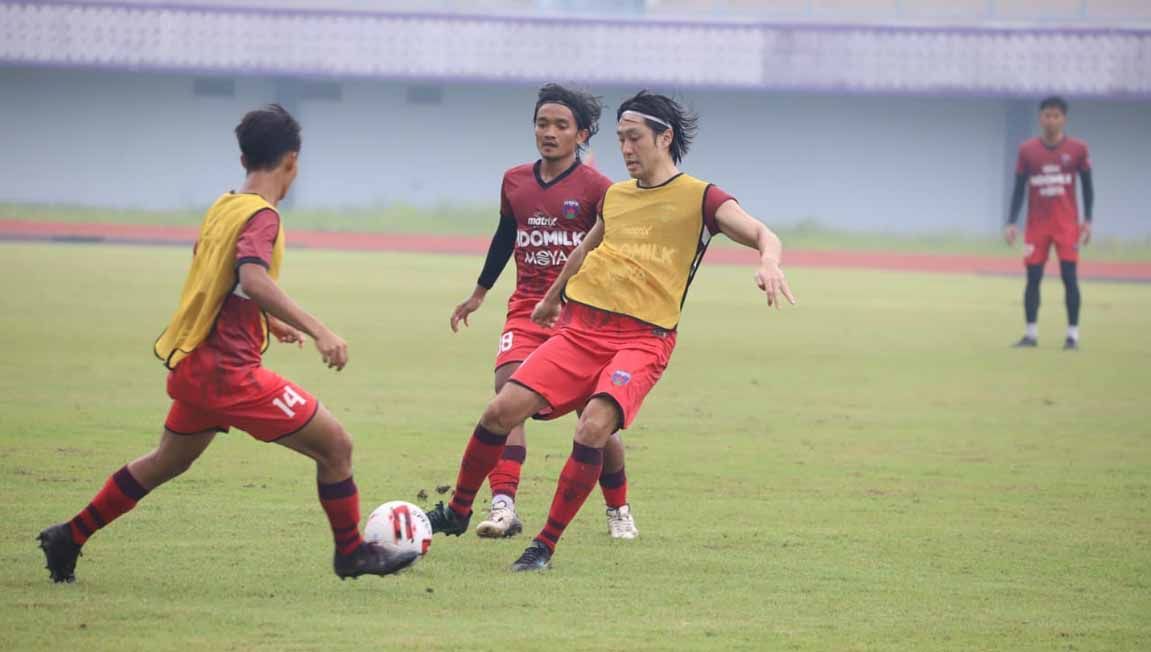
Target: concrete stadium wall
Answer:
[[902, 164]]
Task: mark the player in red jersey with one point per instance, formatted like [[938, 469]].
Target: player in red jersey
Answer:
[[213, 347], [624, 286], [546, 208], [1047, 167]]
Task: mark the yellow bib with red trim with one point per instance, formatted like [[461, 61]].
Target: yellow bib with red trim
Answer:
[[213, 275], [653, 241]]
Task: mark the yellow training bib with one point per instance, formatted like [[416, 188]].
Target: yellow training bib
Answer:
[[653, 241], [213, 275]]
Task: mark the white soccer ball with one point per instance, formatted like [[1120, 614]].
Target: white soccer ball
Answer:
[[400, 527]]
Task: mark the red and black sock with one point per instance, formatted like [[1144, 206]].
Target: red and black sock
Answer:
[[577, 480], [480, 457], [341, 502], [120, 494], [505, 478], [614, 487]]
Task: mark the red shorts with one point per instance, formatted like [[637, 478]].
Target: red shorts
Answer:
[[520, 337], [207, 395], [1039, 237], [597, 353]]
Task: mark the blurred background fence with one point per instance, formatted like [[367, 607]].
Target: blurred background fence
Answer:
[[863, 115]]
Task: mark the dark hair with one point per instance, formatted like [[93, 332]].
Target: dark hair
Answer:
[[1054, 102], [585, 107], [684, 123], [266, 135]]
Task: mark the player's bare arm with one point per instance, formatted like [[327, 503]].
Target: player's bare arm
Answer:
[[285, 333], [547, 311], [737, 224], [260, 287]]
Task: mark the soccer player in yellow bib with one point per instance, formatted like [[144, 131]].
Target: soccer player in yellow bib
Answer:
[[213, 348], [616, 306]]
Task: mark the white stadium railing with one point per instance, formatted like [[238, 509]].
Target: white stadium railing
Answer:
[[1099, 62], [1115, 13]]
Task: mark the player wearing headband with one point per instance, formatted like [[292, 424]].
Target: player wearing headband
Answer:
[[546, 209], [624, 287]]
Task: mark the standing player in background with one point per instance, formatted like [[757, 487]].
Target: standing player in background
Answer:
[[213, 347], [1048, 166], [625, 286], [546, 209]]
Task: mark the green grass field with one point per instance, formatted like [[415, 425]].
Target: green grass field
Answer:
[[481, 221], [871, 470]]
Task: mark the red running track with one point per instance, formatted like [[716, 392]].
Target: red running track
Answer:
[[944, 263]]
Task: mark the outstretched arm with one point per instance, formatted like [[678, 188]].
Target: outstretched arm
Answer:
[[737, 224], [547, 311], [259, 287]]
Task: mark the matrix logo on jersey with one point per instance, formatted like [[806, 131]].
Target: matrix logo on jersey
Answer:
[[543, 245], [1053, 181], [571, 209]]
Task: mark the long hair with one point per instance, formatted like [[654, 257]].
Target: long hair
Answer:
[[684, 123], [585, 107]]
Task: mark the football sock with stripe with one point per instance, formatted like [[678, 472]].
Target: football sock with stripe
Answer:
[[119, 495], [577, 480]]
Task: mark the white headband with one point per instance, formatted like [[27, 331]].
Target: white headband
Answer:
[[638, 115]]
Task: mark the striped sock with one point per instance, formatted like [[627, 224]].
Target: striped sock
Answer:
[[505, 478], [614, 486], [577, 480], [480, 457], [120, 494], [341, 502]]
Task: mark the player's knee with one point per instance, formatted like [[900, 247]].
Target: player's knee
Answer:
[[596, 427], [499, 416]]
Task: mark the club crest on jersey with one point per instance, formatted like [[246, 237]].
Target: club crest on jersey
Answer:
[[571, 209], [620, 377], [1065, 158]]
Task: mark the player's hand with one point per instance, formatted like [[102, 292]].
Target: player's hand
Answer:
[[1010, 233], [470, 305], [333, 349], [1084, 232], [286, 334], [547, 312], [771, 280]]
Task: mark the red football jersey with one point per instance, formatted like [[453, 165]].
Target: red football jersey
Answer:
[[551, 220], [1051, 174]]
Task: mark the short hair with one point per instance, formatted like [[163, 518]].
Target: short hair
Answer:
[[585, 107], [1054, 102], [684, 123], [266, 135]]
